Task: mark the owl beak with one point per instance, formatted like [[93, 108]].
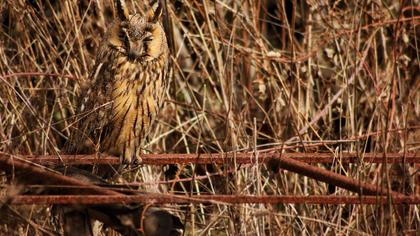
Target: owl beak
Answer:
[[132, 56], [134, 51]]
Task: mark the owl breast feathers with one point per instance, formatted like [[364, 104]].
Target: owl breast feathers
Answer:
[[126, 87]]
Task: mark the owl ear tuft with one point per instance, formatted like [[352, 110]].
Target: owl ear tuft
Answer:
[[122, 10], [156, 10]]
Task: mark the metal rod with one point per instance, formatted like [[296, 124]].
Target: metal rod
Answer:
[[29, 173], [222, 158], [153, 198]]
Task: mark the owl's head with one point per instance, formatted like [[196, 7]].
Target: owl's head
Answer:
[[139, 37]]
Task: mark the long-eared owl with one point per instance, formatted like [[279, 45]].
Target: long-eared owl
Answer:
[[126, 86]]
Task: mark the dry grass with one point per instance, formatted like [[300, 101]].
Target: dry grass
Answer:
[[246, 75]]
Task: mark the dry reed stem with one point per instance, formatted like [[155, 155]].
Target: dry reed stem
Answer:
[[247, 75]]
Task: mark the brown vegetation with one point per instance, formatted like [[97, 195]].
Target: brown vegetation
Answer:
[[247, 75]]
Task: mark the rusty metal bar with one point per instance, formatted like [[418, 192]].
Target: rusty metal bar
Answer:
[[221, 199], [314, 172], [221, 158], [330, 177], [31, 173]]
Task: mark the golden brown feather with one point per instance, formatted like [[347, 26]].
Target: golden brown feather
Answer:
[[126, 87]]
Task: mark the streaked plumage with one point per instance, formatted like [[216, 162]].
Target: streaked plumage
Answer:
[[126, 87]]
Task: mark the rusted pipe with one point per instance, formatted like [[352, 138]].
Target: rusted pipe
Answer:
[[283, 161], [330, 177], [153, 198], [221, 158], [31, 173]]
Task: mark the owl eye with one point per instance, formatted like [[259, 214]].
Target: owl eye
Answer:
[[121, 35], [147, 37], [125, 38], [124, 25]]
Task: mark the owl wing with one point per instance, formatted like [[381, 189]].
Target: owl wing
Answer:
[[93, 109]]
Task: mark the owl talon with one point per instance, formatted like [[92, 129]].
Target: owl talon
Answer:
[[125, 161], [130, 162], [137, 161]]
